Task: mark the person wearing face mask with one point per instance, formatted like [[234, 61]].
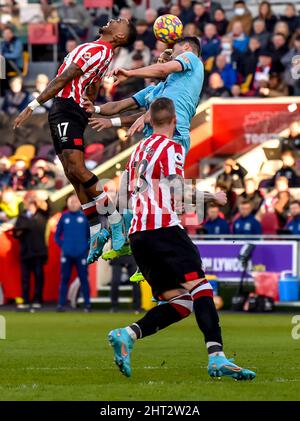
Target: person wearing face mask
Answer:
[[243, 15]]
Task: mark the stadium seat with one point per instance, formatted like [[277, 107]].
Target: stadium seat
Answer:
[[95, 4], [17, 72], [245, 87], [43, 34], [94, 152], [35, 68], [269, 223]]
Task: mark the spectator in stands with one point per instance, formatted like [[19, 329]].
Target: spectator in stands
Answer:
[[291, 17], [41, 82], [74, 21], [236, 91], [30, 229], [275, 87], [191, 30], [146, 34], [12, 49], [10, 204], [239, 37], [288, 170], [127, 263], [233, 56], [260, 32], [211, 7], [226, 71], [150, 17], [246, 224], [292, 142], [126, 13], [140, 48], [5, 174], [201, 16], [282, 28], [233, 175], [262, 71], [248, 61], [71, 44], [175, 10], [16, 98], [72, 236], [215, 87], [187, 13], [241, 15], [220, 21], [265, 12], [20, 175], [165, 8], [215, 225], [41, 177], [294, 224], [228, 210], [252, 194], [291, 62], [210, 42], [278, 49]]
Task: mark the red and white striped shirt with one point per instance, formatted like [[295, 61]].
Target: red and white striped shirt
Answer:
[[93, 58], [153, 160]]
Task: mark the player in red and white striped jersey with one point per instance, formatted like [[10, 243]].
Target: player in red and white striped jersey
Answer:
[[79, 76], [153, 161], [163, 251]]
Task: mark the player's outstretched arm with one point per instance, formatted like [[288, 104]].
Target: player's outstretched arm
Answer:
[[53, 88], [106, 123], [158, 70], [110, 108]]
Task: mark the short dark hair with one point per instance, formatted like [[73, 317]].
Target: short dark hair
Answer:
[[162, 111], [246, 202], [213, 205], [131, 36], [194, 43], [295, 202]]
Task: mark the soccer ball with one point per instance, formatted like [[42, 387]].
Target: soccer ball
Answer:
[[168, 28]]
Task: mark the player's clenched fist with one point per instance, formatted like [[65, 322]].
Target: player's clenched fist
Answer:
[[221, 198]]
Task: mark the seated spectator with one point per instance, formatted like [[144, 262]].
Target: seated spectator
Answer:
[[294, 224], [239, 37], [20, 175], [252, 194], [262, 71], [233, 175], [249, 59], [291, 17], [246, 224], [165, 8], [49, 11], [265, 12], [226, 70], [71, 44], [201, 16], [12, 50], [10, 204], [291, 66], [278, 200], [145, 33], [74, 21], [126, 13], [288, 170], [292, 142], [241, 15], [216, 87], [191, 30], [260, 32], [278, 49], [220, 21], [282, 28], [41, 177], [175, 10], [140, 47], [150, 17], [236, 91], [40, 84], [5, 174], [15, 99], [233, 56], [211, 7], [187, 13], [214, 224], [210, 42], [275, 87]]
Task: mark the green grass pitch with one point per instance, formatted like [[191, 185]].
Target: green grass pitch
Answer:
[[49, 356]]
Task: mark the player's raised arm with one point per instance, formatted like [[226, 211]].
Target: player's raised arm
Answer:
[[110, 108], [54, 87], [107, 123], [158, 70]]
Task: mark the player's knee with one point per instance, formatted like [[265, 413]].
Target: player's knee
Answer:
[[76, 173], [183, 304]]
